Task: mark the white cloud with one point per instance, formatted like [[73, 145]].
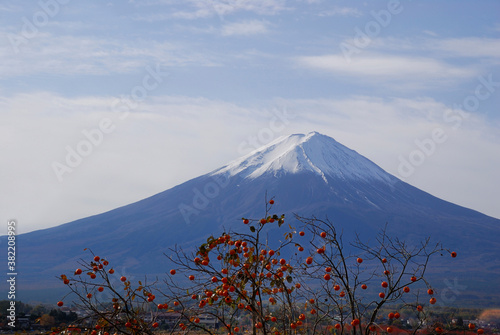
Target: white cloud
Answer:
[[341, 11], [442, 48], [430, 33], [210, 8], [69, 55], [182, 132], [245, 28], [6, 7], [125, 160], [461, 170], [311, 1], [475, 47], [380, 66]]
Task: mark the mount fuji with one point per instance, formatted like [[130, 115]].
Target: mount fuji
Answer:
[[310, 175]]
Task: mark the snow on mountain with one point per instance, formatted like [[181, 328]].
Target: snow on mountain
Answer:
[[312, 152]]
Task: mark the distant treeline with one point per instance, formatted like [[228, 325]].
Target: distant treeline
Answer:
[[39, 314]]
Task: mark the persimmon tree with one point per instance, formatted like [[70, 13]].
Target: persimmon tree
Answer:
[[240, 274], [267, 277], [344, 275], [93, 283]]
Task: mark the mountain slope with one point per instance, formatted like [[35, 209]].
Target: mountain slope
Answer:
[[308, 174]]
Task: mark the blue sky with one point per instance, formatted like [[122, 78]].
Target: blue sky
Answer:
[[168, 90]]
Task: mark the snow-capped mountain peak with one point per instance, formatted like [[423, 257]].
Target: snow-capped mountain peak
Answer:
[[312, 152]]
